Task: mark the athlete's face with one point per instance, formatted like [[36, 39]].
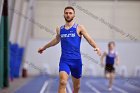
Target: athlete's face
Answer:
[[111, 46], [69, 15]]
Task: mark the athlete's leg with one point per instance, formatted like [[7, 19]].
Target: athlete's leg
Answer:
[[64, 71], [76, 72], [76, 84], [111, 79], [107, 75], [62, 82], [107, 71]]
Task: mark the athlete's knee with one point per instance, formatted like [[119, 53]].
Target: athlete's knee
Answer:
[[63, 83]]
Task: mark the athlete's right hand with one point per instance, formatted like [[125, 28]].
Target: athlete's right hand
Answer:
[[40, 50]]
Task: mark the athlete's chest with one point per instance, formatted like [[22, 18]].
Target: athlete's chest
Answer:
[[68, 33]]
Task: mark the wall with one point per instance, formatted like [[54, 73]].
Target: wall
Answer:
[[124, 15]]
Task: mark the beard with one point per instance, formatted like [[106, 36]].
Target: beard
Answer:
[[68, 20]]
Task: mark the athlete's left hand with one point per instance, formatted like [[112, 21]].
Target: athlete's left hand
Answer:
[[98, 51]]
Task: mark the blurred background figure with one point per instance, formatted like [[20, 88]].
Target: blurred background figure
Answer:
[[111, 58]]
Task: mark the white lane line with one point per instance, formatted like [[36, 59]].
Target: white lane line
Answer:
[[119, 89], [44, 87], [132, 86], [91, 87], [69, 88]]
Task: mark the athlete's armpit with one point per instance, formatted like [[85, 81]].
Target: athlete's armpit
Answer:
[[87, 36]]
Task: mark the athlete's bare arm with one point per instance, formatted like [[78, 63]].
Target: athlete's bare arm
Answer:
[[117, 60], [83, 32], [54, 42], [102, 59]]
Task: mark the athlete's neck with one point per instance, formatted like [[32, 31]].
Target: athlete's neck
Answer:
[[69, 24], [111, 50]]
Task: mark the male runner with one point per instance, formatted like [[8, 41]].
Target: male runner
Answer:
[[111, 57], [70, 36]]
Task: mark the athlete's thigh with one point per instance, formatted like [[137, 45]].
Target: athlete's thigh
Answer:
[[76, 82], [64, 67], [107, 74], [113, 74], [76, 68]]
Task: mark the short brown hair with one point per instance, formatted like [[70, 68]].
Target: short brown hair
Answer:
[[69, 7], [111, 42]]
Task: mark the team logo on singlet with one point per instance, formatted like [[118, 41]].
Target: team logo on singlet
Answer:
[[68, 35]]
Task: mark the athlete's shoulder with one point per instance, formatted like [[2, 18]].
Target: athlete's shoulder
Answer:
[[81, 27], [116, 53], [61, 27], [58, 30], [75, 25]]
